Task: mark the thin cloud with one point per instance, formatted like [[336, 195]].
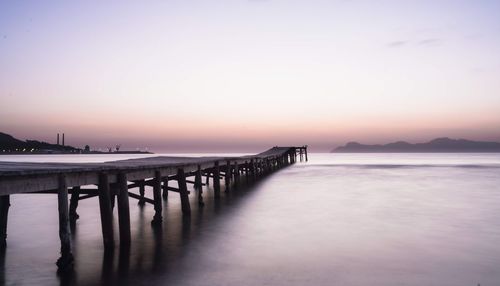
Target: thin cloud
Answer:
[[430, 42], [425, 42], [396, 44]]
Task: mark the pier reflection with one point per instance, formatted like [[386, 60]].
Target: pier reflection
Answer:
[[156, 252], [2, 265]]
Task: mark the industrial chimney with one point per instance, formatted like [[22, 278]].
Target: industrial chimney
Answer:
[[63, 140], [57, 138]]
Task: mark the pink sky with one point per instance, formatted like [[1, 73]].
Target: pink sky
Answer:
[[246, 75]]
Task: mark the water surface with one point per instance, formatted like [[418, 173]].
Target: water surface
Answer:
[[340, 219]]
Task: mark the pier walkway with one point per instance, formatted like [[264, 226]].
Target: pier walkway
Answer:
[[115, 179]]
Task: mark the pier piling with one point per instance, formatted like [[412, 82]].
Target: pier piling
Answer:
[[123, 210], [165, 188], [65, 262], [73, 204], [236, 173], [198, 185], [142, 190], [227, 176], [157, 199], [216, 178], [106, 211], [4, 213], [183, 191]]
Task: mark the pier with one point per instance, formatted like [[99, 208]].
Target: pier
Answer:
[[112, 182]]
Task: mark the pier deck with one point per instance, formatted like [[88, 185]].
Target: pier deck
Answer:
[[114, 179]]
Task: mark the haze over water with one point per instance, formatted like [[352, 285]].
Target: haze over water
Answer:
[[340, 219]]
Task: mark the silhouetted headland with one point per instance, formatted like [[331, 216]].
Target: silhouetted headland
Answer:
[[10, 145], [439, 145]]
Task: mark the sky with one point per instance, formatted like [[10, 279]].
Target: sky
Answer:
[[245, 75]]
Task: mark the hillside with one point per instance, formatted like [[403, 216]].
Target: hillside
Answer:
[[439, 145]]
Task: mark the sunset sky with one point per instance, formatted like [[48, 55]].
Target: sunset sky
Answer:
[[246, 75]]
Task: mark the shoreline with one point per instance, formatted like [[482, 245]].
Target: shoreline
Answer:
[[76, 153]]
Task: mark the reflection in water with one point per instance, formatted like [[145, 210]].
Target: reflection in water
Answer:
[[319, 223], [3, 253], [107, 267], [154, 249]]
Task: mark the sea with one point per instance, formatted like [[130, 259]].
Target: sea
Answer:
[[338, 219]]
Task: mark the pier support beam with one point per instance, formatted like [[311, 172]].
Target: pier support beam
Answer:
[[157, 199], [106, 212], [4, 213], [216, 178], [73, 204], [198, 186], [183, 191], [123, 210], [65, 262]]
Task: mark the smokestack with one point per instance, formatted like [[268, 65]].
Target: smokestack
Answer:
[[57, 138], [63, 140]]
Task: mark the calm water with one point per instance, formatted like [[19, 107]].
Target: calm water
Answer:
[[344, 219]]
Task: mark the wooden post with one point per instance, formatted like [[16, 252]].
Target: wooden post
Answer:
[[123, 210], [227, 177], [165, 188], [113, 191], [216, 179], [4, 213], [236, 173], [65, 262], [73, 204], [252, 168], [157, 198], [106, 212], [142, 190], [181, 178], [305, 150], [198, 186], [207, 181], [257, 167]]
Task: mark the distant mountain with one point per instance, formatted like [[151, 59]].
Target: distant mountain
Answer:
[[9, 144], [439, 145]]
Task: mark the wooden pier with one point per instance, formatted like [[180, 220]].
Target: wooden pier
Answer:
[[115, 179]]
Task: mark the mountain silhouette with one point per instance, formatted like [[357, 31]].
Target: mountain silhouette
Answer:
[[438, 145]]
